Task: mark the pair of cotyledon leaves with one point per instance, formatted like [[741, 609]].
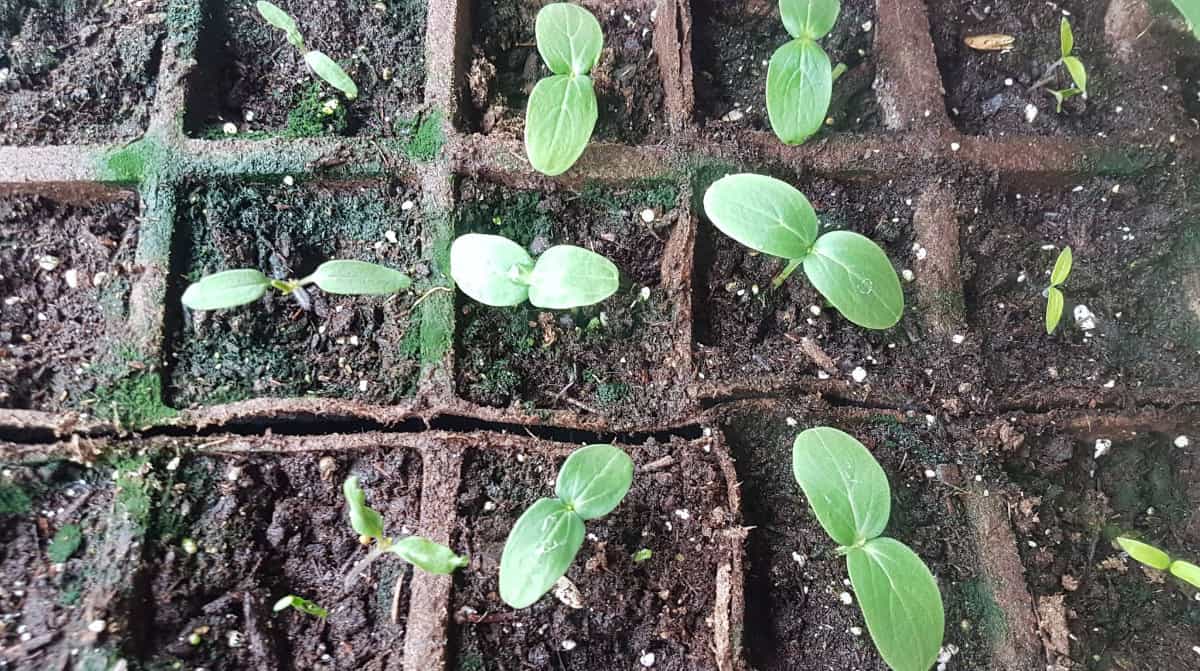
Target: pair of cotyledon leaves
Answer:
[[773, 217], [325, 67], [231, 288], [421, 552], [1157, 559], [799, 75], [1054, 295], [898, 595], [497, 271]]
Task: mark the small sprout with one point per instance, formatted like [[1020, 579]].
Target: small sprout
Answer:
[[325, 67], [544, 541], [497, 271], [194, 639], [1160, 561], [189, 546], [1054, 295], [1074, 67], [421, 552], [799, 76], [301, 604], [642, 555], [231, 288]]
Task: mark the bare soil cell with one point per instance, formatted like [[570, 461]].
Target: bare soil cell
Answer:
[[251, 76], [659, 606], [347, 346], [733, 43], [506, 66], [78, 72], [617, 358], [53, 336]]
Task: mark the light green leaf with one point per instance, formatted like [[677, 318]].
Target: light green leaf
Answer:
[[1186, 571], [1145, 553], [1078, 72], [539, 550], [301, 604], [900, 602], [1062, 267], [568, 38], [281, 20], [64, 544], [1066, 38], [559, 122], [642, 555], [763, 213], [594, 479], [1191, 13], [364, 520], [491, 269], [428, 556], [566, 277], [1054, 309], [331, 72], [226, 289], [358, 278], [855, 275], [799, 87], [809, 18], [845, 486]]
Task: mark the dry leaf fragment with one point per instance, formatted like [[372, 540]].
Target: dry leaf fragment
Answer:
[[990, 42]]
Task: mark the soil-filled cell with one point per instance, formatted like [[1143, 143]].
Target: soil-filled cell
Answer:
[[232, 535], [252, 77], [359, 347], [78, 72], [658, 609], [505, 67], [732, 45], [618, 358], [1132, 82], [65, 276], [1129, 317]]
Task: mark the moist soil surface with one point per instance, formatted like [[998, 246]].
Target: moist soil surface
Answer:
[[506, 66], [659, 606], [362, 347], [78, 72], [733, 43], [252, 77], [617, 358], [53, 336]]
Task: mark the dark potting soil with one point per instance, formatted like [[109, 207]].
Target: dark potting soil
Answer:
[[263, 528], [53, 335], [1118, 614], [660, 606], [362, 347], [617, 358], [78, 72], [733, 43], [1134, 242], [506, 66], [795, 615], [252, 77], [988, 92]]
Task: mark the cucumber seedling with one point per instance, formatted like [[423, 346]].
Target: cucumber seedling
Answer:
[[799, 75], [562, 108], [899, 597], [773, 217], [497, 271], [301, 604], [1159, 560], [324, 66], [544, 541], [1074, 66], [1054, 295], [231, 288]]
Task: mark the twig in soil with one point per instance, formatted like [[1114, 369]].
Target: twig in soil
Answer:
[[814, 352], [426, 295], [487, 618], [658, 464], [582, 405], [396, 595]]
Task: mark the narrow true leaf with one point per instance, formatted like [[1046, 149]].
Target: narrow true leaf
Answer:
[[843, 483], [1066, 38], [491, 269], [359, 278], [364, 520], [900, 602], [1054, 309], [763, 213], [809, 18], [567, 277], [799, 88], [569, 38], [1078, 72], [1062, 267], [855, 275], [428, 556], [331, 72], [281, 20], [1191, 13], [1186, 571], [226, 289], [1145, 553], [559, 121], [539, 550], [594, 479]]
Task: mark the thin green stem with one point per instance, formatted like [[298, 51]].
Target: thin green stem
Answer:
[[839, 70], [786, 272]]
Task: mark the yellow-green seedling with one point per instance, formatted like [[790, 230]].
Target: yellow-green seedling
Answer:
[[1054, 295], [799, 75], [421, 552], [898, 595], [497, 271], [562, 108], [544, 541], [301, 604], [642, 555], [772, 217], [1159, 560], [1190, 9], [1067, 59], [324, 66], [231, 288]]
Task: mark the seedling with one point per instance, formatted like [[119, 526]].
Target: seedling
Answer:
[[301, 604], [231, 288], [325, 67], [497, 271], [545, 540], [1161, 561], [421, 552], [899, 597], [562, 108], [642, 555], [1054, 295], [1191, 13], [772, 217], [799, 76], [1074, 66]]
